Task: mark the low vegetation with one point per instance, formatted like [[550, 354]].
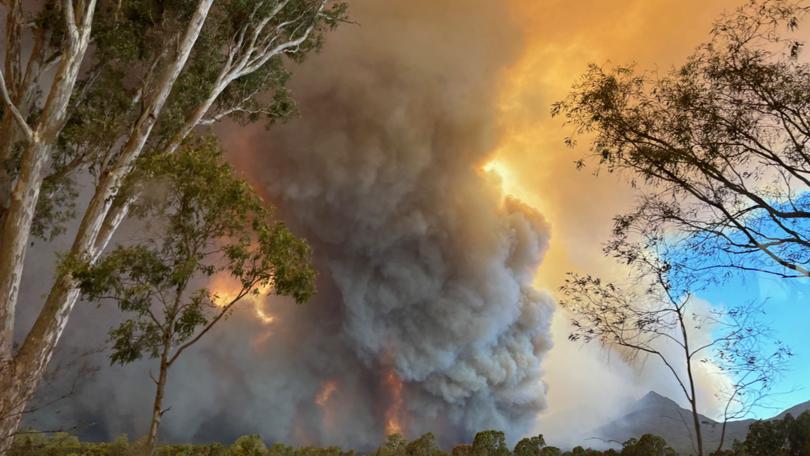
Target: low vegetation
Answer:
[[787, 436]]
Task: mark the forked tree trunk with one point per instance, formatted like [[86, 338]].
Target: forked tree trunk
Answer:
[[15, 389], [20, 374]]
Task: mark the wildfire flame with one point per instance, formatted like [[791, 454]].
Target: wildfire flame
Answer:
[[393, 423], [225, 289]]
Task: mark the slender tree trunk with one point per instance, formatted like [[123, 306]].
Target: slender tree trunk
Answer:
[[160, 387], [11, 69], [722, 436], [696, 421], [692, 398], [725, 418]]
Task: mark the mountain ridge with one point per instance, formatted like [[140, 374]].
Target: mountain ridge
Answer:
[[657, 414]]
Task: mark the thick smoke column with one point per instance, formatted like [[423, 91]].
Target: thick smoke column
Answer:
[[426, 318], [431, 268]]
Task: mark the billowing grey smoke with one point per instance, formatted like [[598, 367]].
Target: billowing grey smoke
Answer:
[[432, 271], [426, 269]]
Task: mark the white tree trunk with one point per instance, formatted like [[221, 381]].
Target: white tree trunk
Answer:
[[21, 374], [16, 228]]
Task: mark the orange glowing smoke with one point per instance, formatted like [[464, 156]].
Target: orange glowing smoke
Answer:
[[393, 416], [225, 289], [322, 400], [325, 393]]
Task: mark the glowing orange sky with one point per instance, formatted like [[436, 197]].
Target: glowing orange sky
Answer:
[[561, 38]]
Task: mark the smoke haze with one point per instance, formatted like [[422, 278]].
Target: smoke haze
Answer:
[[431, 266], [426, 318]]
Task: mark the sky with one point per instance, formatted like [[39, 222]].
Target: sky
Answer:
[[561, 39]]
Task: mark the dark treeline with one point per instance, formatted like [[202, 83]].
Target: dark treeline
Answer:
[[788, 436]]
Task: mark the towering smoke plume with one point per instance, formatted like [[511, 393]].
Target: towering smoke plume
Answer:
[[426, 318], [431, 269]]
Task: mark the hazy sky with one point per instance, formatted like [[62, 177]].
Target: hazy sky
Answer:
[[562, 37]]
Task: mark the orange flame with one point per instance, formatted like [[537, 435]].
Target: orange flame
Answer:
[[393, 423], [225, 289]]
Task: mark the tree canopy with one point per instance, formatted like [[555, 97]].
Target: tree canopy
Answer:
[[205, 221], [717, 146], [89, 88]]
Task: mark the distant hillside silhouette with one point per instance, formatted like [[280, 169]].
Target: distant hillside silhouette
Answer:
[[659, 415]]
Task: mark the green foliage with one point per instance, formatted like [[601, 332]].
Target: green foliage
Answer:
[[647, 445], [785, 437], [133, 40], [423, 446], [394, 445], [204, 221], [718, 142], [249, 445], [489, 443], [208, 221], [530, 446]]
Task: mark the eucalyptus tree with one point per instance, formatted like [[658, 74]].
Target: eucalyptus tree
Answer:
[[656, 315], [718, 145], [208, 222], [90, 86]]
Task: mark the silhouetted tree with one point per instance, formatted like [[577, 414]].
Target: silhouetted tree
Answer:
[[655, 316], [781, 437], [248, 445], [394, 446], [718, 146], [461, 450]]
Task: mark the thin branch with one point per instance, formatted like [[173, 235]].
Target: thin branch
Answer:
[[18, 117]]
